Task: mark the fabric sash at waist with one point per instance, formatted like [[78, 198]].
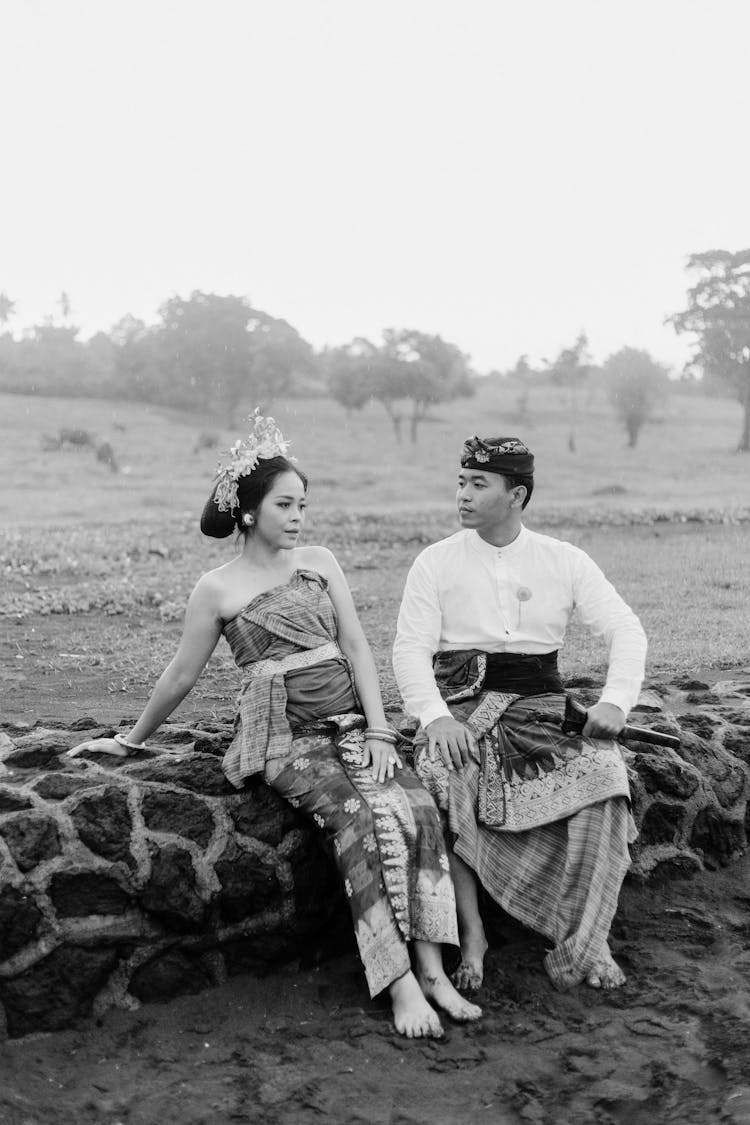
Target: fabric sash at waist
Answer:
[[464, 673], [262, 730], [520, 673]]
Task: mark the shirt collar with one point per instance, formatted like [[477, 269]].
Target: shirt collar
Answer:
[[490, 551]]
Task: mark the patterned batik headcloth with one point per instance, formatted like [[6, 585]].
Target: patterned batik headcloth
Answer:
[[506, 455]]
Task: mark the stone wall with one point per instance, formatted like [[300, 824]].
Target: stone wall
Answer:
[[690, 804], [136, 879], [127, 880]]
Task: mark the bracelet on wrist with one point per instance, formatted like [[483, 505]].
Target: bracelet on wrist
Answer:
[[381, 735], [128, 745]]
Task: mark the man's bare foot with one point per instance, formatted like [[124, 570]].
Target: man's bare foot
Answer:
[[412, 1015], [438, 988], [469, 975], [606, 973]]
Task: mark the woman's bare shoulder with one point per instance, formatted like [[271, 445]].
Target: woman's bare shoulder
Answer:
[[215, 582], [317, 558]]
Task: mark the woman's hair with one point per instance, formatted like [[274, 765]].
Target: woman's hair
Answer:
[[252, 488]]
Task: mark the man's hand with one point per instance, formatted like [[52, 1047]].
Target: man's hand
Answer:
[[455, 741], [605, 720]]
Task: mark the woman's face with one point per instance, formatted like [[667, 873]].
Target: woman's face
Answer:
[[280, 516]]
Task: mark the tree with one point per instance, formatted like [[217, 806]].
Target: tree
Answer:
[[204, 351], [522, 370], [279, 355], [51, 360], [569, 370], [8, 346], [522, 376], [718, 315], [64, 305], [7, 307], [422, 369], [216, 351], [136, 359], [360, 371], [409, 366], [102, 357], [349, 373], [636, 383]]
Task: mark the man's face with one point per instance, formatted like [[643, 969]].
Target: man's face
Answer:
[[483, 499]]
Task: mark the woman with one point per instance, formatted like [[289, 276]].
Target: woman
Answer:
[[311, 720]]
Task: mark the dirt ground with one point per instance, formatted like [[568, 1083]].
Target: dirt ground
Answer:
[[305, 1043]]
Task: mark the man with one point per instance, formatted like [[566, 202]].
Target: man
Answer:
[[540, 818]]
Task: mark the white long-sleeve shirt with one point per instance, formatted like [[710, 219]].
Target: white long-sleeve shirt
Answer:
[[463, 592]]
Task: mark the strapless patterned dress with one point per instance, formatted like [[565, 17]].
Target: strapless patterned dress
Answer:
[[300, 725]]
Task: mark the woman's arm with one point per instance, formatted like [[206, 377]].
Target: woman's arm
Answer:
[[353, 643], [200, 635]]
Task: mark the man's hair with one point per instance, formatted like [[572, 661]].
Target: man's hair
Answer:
[[526, 480]]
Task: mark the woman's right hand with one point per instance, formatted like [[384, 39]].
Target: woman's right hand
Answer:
[[98, 746], [383, 758]]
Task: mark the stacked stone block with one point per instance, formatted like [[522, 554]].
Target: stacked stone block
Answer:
[[136, 879], [129, 880]]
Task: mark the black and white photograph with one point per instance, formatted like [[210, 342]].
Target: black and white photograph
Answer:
[[374, 562]]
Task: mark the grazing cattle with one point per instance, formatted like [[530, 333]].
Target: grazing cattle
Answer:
[[69, 436], [106, 455]]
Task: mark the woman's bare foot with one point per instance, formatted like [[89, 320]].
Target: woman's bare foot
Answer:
[[469, 975], [438, 988], [606, 973], [412, 1015]]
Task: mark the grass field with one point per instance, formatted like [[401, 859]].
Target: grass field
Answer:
[[97, 566], [90, 615], [684, 460]]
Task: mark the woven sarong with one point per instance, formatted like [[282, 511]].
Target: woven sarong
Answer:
[[387, 841], [557, 852], [529, 773]]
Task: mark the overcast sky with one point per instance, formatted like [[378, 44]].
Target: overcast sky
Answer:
[[507, 174]]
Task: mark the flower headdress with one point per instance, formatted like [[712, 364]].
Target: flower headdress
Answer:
[[265, 440]]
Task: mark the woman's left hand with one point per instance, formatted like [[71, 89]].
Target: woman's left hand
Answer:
[[383, 757]]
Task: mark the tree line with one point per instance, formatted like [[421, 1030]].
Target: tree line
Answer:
[[215, 354]]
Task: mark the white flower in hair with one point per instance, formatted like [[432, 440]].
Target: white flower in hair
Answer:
[[264, 441]]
